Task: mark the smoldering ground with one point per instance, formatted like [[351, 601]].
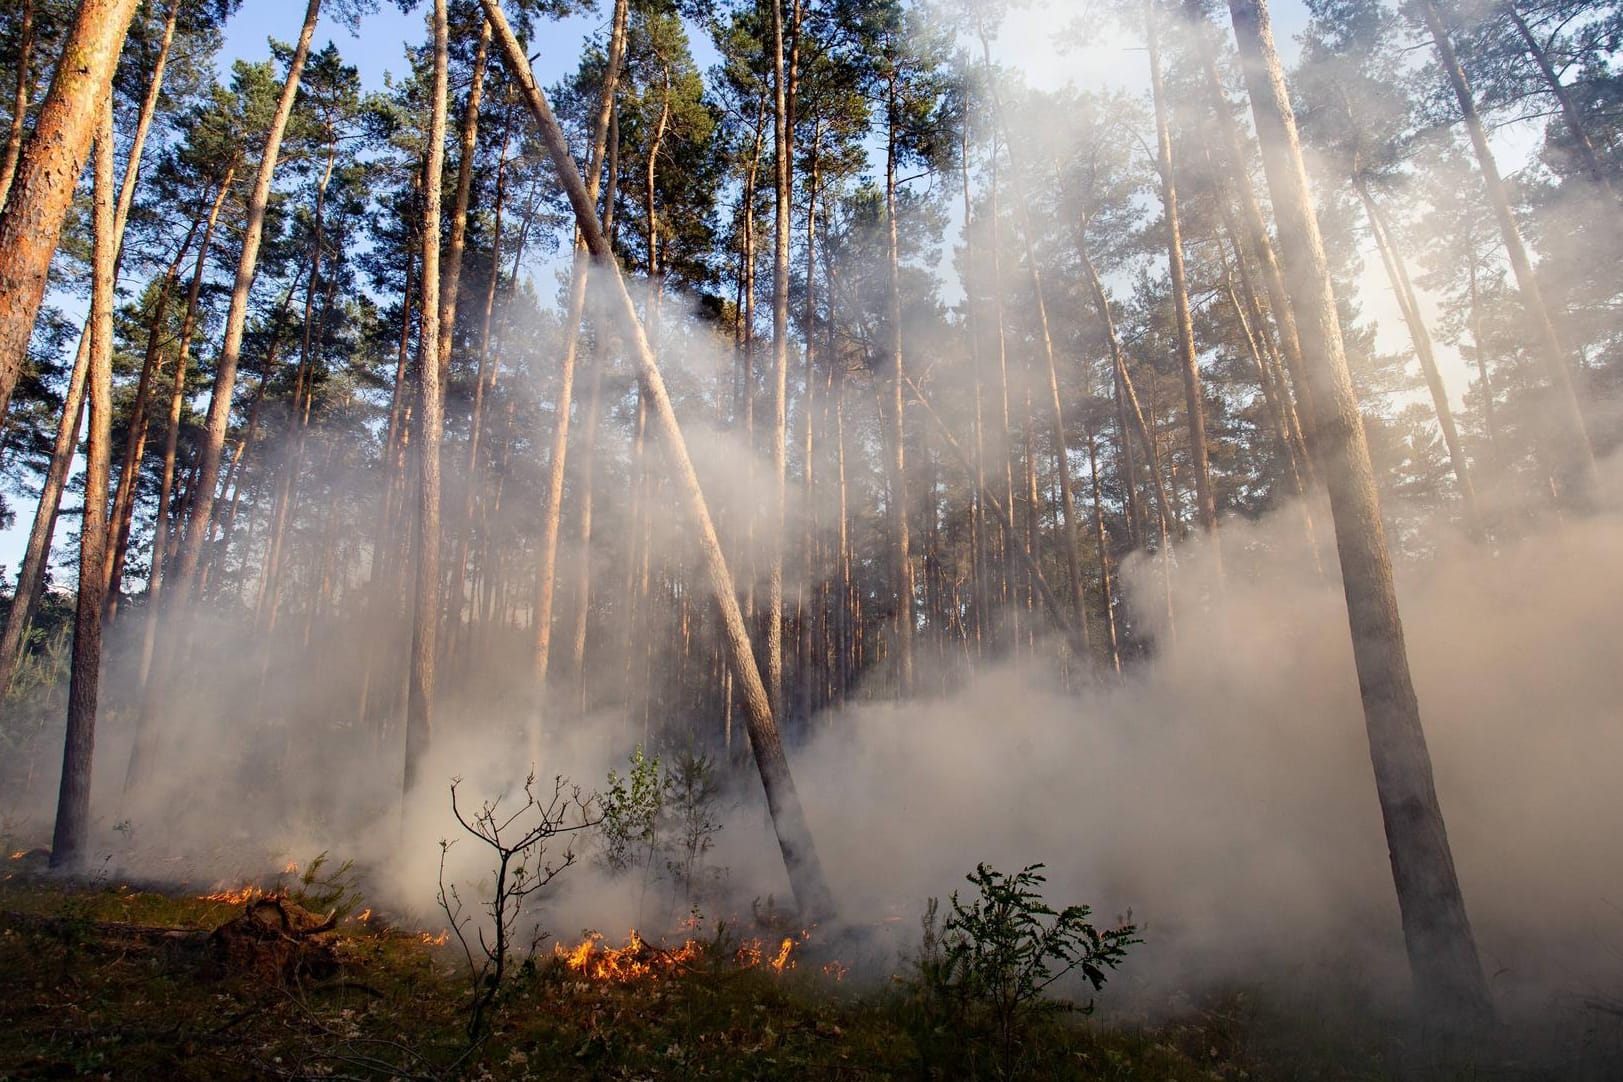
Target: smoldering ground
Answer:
[[1221, 791]]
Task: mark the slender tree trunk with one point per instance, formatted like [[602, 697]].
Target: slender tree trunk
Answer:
[[48, 170], [902, 568], [794, 837], [1194, 398], [84, 681], [467, 148], [1569, 109], [552, 513], [171, 438], [236, 322], [1397, 274], [19, 108], [1489, 423], [1448, 976], [1572, 432], [31, 576], [129, 474], [430, 428], [783, 181]]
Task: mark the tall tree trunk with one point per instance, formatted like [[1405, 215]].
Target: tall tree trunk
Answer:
[[794, 837], [236, 323], [902, 556], [1442, 954], [1397, 273], [467, 147], [552, 513], [49, 169], [430, 429], [1256, 248], [84, 680], [1572, 433], [783, 181], [1194, 398]]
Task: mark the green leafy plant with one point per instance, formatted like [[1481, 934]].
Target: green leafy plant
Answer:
[[991, 966], [631, 809], [661, 821]]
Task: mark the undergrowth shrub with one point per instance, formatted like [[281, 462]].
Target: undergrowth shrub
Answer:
[[987, 976]]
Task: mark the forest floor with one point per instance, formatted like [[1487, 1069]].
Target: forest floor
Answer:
[[104, 980]]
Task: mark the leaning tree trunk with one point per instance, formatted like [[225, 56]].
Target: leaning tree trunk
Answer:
[[788, 818], [84, 680], [1442, 953], [49, 169], [430, 431], [30, 579], [236, 323], [1572, 433]]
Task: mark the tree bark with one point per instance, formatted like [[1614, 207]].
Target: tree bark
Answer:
[[84, 680], [49, 169], [794, 837], [1447, 973]]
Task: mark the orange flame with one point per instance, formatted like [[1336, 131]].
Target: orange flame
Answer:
[[237, 896], [433, 940], [637, 960]]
